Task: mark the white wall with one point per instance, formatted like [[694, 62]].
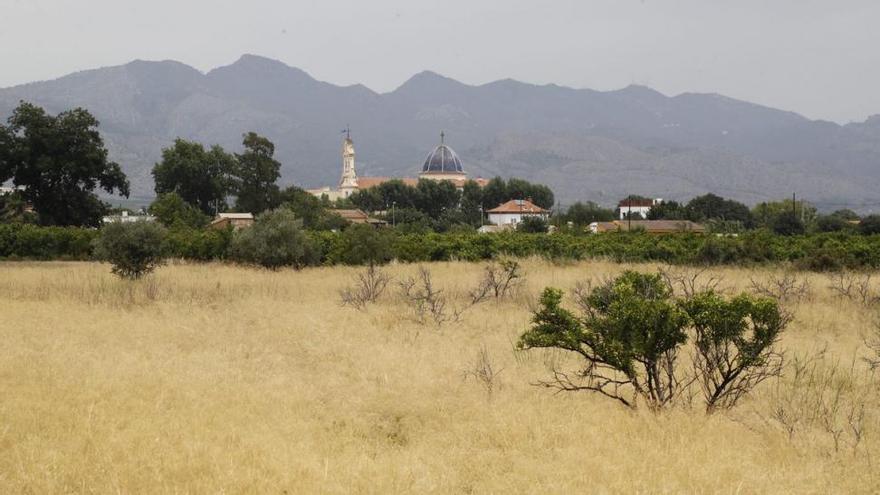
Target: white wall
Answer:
[[512, 218]]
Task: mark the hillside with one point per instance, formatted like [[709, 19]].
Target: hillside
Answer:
[[585, 144]]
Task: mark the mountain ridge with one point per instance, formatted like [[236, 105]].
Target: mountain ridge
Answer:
[[704, 140]]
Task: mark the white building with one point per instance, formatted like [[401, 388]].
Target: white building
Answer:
[[640, 207], [126, 218], [513, 212]]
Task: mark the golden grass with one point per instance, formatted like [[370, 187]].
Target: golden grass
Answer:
[[212, 378]]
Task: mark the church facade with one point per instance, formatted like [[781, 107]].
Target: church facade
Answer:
[[442, 164]]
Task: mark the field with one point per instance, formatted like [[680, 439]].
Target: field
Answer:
[[208, 378]]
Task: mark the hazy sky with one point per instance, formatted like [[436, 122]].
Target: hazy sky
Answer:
[[818, 58]]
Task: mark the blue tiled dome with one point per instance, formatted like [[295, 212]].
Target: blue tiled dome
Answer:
[[442, 159]]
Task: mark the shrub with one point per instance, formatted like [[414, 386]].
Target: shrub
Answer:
[[134, 249], [532, 225], [870, 225], [788, 223], [733, 343], [633, 329], [366, 245], [276, 239], [628, 337]]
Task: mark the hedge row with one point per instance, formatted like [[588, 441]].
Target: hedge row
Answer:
[[813, 252]]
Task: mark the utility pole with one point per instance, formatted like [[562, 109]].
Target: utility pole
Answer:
[[629, 215]]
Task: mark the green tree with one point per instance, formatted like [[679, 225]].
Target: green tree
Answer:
[[668, 210], [134, 249], [203, 178], [582, 214], [366, 245], [369, 200], [256, 172], [14, 209], [436, 196], [767, 213], [788, 223], [713, 207], [830, 223], [312, 211], [60, 160], [495, 193], [628, 336], [172, 211], [845, 214], [532, 225], [471, 203], [870, 225], [276, 239]]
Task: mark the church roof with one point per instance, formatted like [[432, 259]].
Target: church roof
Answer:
[[442, 159]]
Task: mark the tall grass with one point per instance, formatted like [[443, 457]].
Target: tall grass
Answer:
[[211, 378]]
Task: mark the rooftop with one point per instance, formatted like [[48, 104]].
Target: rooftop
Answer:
[[518, 206]]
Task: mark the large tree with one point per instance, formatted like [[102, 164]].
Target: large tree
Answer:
[[203, 178], [59, 160], [257, 171]]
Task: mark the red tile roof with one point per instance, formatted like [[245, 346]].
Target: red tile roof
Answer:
[[518, 206]]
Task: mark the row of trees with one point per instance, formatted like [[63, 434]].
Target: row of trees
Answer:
[[440, 206], [786, 217], [206, 178]]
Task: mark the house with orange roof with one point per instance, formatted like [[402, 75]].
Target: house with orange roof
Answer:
[[514, 211]]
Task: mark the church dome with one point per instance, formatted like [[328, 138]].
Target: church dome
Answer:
[[442, 159]]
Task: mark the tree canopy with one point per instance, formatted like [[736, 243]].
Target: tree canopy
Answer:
[[256, 174], [203, 178], [60, 160]]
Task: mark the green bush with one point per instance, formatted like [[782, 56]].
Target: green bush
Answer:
[[27, 241], [275, 240], [632, 329], [134, 249]]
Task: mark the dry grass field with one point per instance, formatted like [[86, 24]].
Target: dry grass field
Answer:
[[220, 379]]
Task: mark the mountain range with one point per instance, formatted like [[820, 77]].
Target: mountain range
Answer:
[[585, 144]]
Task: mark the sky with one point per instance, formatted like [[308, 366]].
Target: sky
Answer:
[[818, 58]]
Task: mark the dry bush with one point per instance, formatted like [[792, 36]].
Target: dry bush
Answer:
[[854, 287], [484, 371], [368, 287], [426, 302], [819, 397], [872, 342], [689, 282], [788, 287], [499, 281]]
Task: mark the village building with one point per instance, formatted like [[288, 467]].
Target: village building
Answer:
[[235, 220], [649, 226], [358, 216], [636, 207], [514, 211], [124, 217], [441, 164]]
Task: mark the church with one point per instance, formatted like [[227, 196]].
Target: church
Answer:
[[442, 163]]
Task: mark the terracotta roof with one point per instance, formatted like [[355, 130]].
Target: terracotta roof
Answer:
[[518, 206], [357, 216], [651, 226], [368, 182]]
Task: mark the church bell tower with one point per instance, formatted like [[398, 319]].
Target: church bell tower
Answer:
[[348, 183]]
